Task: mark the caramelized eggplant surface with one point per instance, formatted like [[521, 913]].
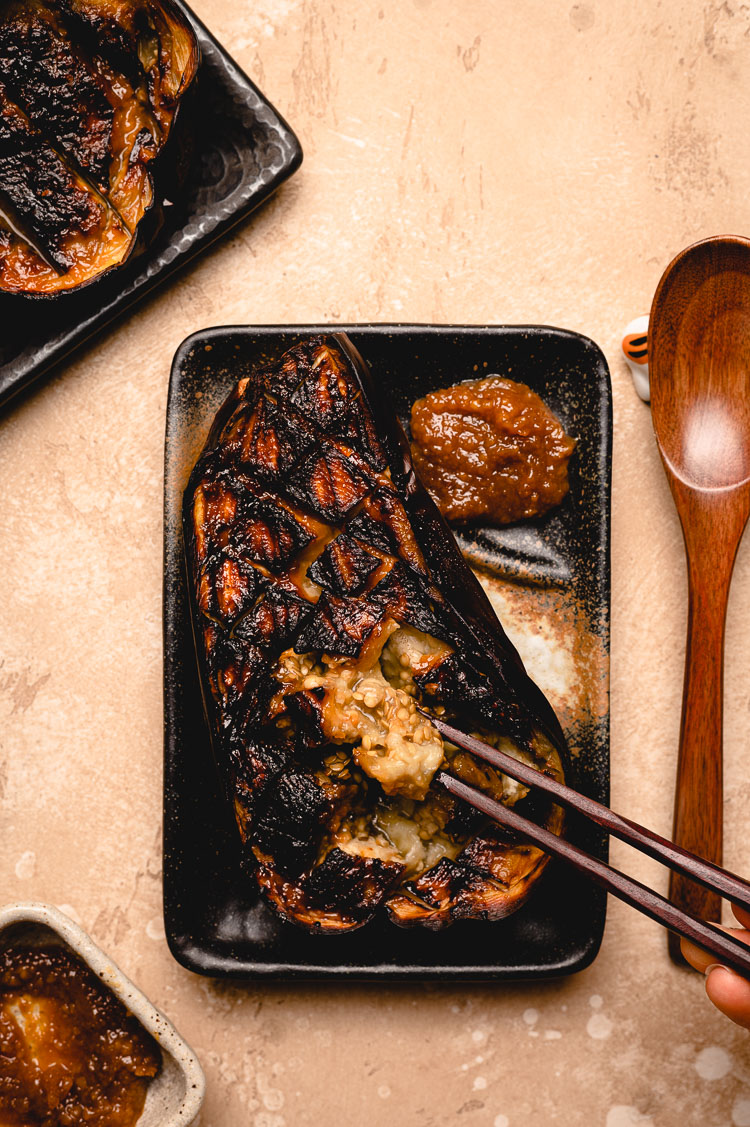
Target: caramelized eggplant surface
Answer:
[[329, 600], [89, 93]]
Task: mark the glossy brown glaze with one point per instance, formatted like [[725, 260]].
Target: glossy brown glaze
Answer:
[[88, 98], [698, 346], [71, 1053], [329, 597], [490, 449]]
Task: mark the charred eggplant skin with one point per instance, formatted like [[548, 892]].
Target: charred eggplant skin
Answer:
[[492, 650], [104, 86], [262, 445]]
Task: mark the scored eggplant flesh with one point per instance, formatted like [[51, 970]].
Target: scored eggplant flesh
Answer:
[[46, 199], [51, 77], [99, 85], [149, 42], [329, 599]]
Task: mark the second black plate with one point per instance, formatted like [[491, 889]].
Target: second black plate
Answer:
[[216, 922], [243, 150]]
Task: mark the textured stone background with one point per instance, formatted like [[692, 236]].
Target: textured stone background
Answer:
[[485, 161]]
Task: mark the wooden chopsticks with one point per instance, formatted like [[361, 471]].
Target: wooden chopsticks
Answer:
[[729, 951]]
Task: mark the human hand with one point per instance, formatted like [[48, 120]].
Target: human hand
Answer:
[[728, 991]]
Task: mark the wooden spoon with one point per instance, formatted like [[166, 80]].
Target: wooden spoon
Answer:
[[699, 358]]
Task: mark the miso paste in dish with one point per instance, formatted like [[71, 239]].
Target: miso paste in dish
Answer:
[[70, 1052], [490, 449]]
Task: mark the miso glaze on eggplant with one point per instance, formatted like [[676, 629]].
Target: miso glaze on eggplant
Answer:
[[89, 91], [329, 597]]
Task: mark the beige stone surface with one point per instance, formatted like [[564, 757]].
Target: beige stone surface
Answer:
[[480, 161]]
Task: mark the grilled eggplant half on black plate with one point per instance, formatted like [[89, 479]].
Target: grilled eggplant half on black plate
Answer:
[[329, 599], [89, 96]]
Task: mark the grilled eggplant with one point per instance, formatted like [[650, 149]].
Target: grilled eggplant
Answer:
[[89, 94], [329, 599]]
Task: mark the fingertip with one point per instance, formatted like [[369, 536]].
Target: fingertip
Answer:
[[729, 993], [699, 959]]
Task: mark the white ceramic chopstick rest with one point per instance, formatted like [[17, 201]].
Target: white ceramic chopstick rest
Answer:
[[635, 350]]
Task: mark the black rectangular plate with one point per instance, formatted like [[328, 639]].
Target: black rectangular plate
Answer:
[[243, 150], [215, 921]]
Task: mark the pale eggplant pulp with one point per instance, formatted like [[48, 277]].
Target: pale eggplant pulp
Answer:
[[329, 600], [90, 97]]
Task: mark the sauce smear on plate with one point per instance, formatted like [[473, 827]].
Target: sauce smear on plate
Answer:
[[490, 449]]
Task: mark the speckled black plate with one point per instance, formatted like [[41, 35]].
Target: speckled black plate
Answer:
[[243, 150], [216, 922]]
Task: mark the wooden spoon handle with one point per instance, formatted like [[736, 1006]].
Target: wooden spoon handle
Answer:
[[712, 536], [698, 789]]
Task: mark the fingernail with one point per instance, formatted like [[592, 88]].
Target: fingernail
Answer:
[[715, 966]]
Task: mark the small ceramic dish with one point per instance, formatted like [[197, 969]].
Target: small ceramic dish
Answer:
[[174, 1097]]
